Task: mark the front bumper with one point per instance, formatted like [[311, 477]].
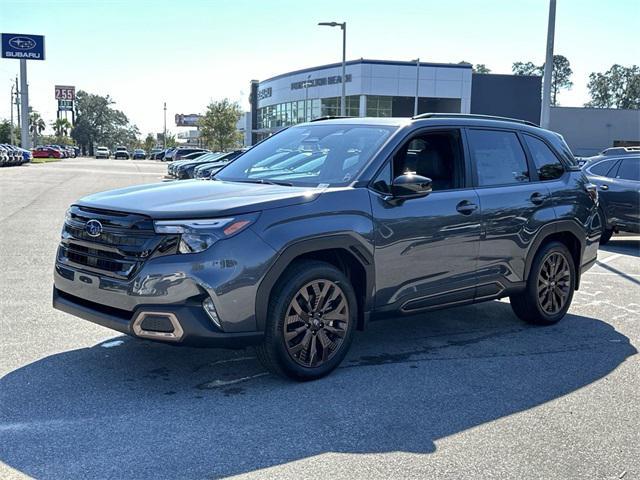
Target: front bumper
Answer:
[[227, 273], [196, 328]]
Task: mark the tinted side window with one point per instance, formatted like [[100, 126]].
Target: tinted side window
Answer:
[[547, 164], [602, 169], [629, 169], [498, 156]]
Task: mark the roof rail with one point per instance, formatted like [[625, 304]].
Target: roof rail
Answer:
[[621, 150], [472, 115], [329, 117]]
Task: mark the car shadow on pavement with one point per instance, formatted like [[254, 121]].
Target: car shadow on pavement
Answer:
[[626, 246], [134, 409]]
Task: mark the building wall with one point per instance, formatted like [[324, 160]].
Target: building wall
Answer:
[[441, 87], [591, 130], [514, 96]]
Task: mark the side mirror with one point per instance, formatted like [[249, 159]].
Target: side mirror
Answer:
[[410, 185]]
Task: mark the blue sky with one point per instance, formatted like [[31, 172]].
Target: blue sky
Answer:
[[189, 52]]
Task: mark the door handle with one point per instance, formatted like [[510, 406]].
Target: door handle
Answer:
[[537, 198], [465, 207], [604, 187]]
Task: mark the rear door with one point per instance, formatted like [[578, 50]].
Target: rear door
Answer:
[[514, 205], [624, 195]]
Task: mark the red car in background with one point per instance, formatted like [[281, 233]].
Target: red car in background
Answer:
[[46, 152]]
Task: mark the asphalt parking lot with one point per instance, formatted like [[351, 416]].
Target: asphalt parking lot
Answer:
[[468, 392]]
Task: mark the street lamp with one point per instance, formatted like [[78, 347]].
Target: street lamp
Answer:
[[343, 27], [164, 130], [415, 102]]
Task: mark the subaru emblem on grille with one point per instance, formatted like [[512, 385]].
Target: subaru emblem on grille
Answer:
[[93, 228]]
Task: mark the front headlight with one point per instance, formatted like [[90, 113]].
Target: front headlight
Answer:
[[197, 235]]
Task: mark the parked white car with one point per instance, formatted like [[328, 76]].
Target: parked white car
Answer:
[[103, 152]]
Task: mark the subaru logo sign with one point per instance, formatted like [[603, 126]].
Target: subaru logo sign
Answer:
[[22, 46], [93, 228], [22, 43]]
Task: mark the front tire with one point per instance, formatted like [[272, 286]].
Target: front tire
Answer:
[[550, 286], [310, 321]]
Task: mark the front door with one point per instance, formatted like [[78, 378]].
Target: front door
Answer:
[[426, 248]]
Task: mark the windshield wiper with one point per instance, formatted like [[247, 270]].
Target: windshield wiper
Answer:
[[264, 181]]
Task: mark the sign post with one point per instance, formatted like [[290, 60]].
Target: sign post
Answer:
[[23, 47], [25, 140]]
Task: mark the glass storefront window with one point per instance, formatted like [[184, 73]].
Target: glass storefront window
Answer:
[[291, 113], [379, 106]]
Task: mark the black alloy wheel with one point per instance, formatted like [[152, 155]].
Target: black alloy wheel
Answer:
[[316, 323], [554, 283], [310, 322], [549, 288]]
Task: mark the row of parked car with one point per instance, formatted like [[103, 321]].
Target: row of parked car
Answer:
[[121, 153], [616, 174], [11, 155], [201, 164], [55, 151]]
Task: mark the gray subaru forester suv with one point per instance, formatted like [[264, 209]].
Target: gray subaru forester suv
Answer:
[[328, 225]]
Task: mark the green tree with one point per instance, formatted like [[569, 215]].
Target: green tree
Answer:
[[171, 140], [5, 132], [149, 142], [560, 75], [61, 127], [36, 126], [618, 87], [481, 68], [218, 125], [526, 68], [98, 123]]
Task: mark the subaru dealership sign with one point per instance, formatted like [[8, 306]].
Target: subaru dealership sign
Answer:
[[22, 46]]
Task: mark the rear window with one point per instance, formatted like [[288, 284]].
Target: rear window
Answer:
[[547, 164], [629, 169], [498, 156], [603, 169]]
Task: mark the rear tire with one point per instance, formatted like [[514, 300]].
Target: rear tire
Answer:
[[310, 321], [606, 233], [550, 286]]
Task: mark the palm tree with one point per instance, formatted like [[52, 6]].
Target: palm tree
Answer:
[[61, 127], [36, 125]]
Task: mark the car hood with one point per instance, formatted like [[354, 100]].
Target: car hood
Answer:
[[198, 199]]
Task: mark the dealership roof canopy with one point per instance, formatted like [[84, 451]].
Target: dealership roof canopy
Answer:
[[370, 62]]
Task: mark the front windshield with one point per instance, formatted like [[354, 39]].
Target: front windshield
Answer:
[[309, 155]]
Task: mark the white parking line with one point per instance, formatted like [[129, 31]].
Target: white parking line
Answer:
[[610, 258]]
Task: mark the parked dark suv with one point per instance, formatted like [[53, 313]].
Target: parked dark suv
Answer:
[[618, 180], [328, 225]]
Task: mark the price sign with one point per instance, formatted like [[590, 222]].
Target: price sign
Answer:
[[65, 92]]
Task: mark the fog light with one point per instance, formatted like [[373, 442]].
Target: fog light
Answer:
[[210, 308]]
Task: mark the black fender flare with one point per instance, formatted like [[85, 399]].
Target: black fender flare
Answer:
[[347, 241], [555, 227]]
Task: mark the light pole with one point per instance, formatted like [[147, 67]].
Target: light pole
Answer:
[[343, 27], [415, 102], [548, 68], [306, 97], [11, 140], [164, 133]]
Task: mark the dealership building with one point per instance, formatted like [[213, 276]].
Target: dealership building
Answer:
[[385, 88]]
